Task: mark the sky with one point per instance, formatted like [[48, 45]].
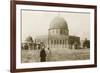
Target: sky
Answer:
[[35, 23]]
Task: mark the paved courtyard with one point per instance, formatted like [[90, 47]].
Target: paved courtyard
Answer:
[[28, 56]]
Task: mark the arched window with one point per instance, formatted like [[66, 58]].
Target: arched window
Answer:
[[54, 41], [63, 41], [51, 41]]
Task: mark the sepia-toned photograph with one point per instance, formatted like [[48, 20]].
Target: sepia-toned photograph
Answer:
[[50, 36]]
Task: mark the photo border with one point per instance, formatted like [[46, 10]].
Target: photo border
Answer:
[[13, 35]]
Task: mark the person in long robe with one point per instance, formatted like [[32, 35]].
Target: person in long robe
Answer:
[[43, 55]]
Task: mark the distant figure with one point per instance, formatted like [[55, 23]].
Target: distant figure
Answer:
[[42, 55], [48, 52]]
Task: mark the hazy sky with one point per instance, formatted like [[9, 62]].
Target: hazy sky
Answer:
[[37, 23]]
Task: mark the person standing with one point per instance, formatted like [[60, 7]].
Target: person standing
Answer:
[[48, 52], [42, 53]]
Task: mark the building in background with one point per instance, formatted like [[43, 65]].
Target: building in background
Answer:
[[58, 35]]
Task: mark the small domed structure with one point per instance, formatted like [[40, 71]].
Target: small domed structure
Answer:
[[29, 39]]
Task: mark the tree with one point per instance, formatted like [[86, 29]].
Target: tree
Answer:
[[71, 42], [86, 43], [25, 46]]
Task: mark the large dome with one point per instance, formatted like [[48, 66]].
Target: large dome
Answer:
[[59, 23]]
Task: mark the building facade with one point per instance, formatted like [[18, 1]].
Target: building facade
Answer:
[[58, 35]]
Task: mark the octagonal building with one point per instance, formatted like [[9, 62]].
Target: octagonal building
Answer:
[[58, 33]]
